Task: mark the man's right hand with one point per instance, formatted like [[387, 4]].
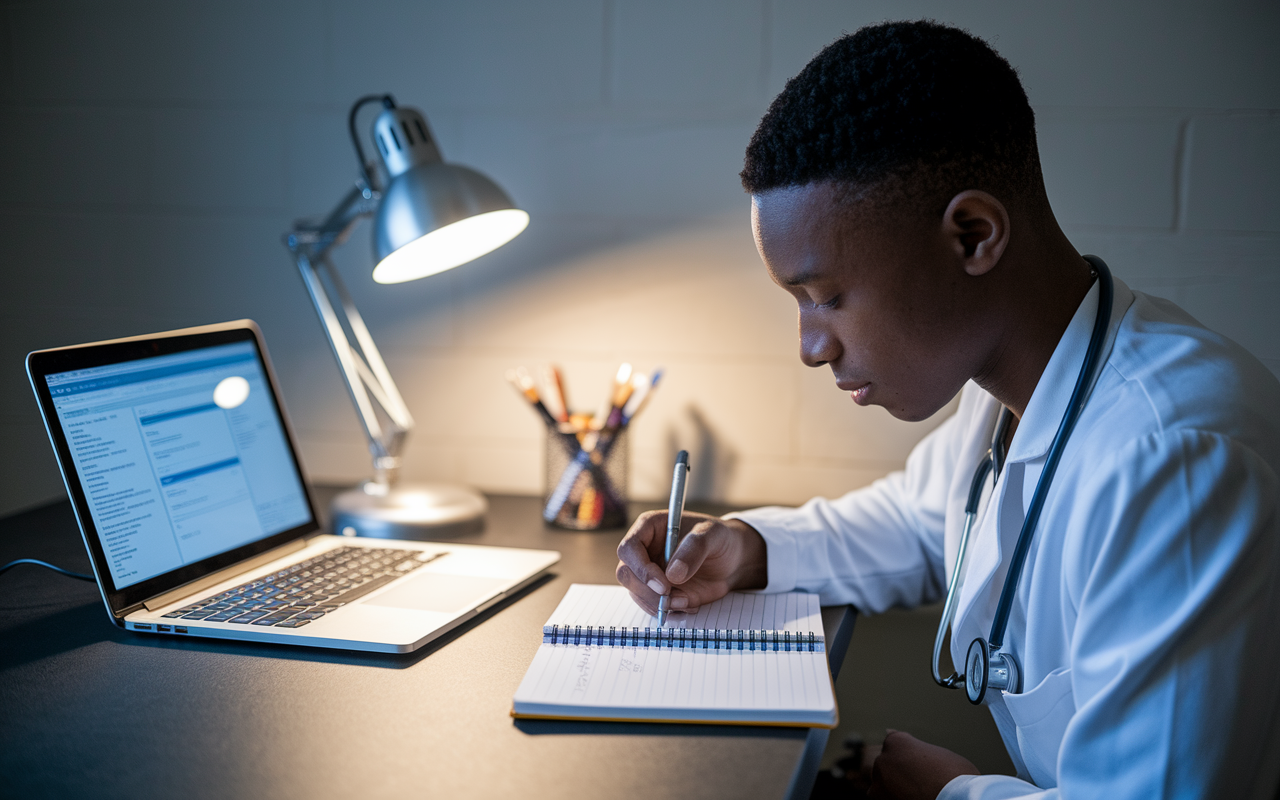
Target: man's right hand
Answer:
[[715, 556]]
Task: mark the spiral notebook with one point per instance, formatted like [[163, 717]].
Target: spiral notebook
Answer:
[[748, 659]]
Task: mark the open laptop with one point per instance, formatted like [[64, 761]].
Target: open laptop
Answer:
[[185, 479]]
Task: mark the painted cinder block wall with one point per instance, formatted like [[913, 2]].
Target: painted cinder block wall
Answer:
[[153, 153]]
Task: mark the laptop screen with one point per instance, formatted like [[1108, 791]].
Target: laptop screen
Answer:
[[181, 457]]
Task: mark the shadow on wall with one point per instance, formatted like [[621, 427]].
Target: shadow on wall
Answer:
[[712, 460]]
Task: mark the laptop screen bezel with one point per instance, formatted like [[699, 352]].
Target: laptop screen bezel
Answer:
[[122, 601]]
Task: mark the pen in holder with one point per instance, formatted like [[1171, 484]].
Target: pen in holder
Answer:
[[586, 456], [586, 490]]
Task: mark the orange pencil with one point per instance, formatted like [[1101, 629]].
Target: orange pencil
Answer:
[[557, 382]]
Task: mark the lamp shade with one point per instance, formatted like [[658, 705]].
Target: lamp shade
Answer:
[[436, 216], [433, 216]]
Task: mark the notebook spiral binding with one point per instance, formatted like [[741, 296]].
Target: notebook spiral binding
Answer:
[[682, 638]]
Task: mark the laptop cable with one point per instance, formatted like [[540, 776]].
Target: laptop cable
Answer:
[[78, 576]]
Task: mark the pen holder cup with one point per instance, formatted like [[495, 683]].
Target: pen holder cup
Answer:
[[586, 486]]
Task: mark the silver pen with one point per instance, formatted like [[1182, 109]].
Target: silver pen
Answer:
[[675, 509]]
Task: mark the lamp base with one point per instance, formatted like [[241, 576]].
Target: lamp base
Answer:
[[408, 511]]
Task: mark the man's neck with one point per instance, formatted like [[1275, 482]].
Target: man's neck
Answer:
[[1043, 286]]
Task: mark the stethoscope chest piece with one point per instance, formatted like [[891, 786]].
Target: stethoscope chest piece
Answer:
[[987, 669]]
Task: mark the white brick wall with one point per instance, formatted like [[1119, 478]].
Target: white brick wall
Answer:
[[153, 153]]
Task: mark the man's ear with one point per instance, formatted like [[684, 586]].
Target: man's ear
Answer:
[[977, 227]]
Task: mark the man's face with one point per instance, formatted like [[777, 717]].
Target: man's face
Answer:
[[883, 297]]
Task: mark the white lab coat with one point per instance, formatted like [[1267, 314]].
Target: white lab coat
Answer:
[[1147, 620]]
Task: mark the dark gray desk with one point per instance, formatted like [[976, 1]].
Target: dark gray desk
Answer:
[[87, 710]]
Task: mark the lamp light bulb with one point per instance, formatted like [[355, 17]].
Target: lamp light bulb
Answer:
[[451, 245]]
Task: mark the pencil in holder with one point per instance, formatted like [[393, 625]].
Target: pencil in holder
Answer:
[[586, 487]]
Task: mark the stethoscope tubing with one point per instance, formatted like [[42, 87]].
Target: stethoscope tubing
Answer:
[[993, 463], [1079, 396], [949, 608]]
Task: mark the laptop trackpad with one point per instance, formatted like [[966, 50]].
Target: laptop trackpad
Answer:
[[434, 591]]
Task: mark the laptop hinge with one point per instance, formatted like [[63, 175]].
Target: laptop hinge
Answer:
[[200, 584]]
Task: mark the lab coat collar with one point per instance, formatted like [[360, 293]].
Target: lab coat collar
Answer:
[[1049, 401]]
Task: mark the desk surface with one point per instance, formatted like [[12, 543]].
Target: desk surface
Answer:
[[89, 710]]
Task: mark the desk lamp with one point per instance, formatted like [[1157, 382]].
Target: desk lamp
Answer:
[[428, 216]]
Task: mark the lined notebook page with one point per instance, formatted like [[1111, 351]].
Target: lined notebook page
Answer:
[[605, 606], [655, 683]]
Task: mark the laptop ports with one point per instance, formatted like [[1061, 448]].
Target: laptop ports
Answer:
[[163, 628], [179, 629], [142, 626]]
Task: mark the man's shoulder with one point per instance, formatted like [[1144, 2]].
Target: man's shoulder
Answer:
[[1169, 373]]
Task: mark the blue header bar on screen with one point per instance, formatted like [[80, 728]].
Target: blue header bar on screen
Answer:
[[125, 378], [181, 412], [198, 471]]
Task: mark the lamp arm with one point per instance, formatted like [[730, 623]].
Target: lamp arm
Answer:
[[317, 238], [363, 370], [389, 394]]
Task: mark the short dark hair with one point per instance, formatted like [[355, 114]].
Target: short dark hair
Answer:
[[928, 109]]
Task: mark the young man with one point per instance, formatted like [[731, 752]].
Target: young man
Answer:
[[897, 196]]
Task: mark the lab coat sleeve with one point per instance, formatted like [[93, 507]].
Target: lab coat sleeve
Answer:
[[878, 547], [1172, 567], [994, 787]]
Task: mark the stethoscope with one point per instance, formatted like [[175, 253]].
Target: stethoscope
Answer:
[[986, 667]]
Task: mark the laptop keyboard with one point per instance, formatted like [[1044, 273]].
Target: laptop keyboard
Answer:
[[306, 591]]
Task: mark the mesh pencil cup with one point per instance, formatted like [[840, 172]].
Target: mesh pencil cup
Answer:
[[586, 487]]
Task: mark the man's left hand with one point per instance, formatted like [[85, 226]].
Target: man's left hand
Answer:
[[909, 769]]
